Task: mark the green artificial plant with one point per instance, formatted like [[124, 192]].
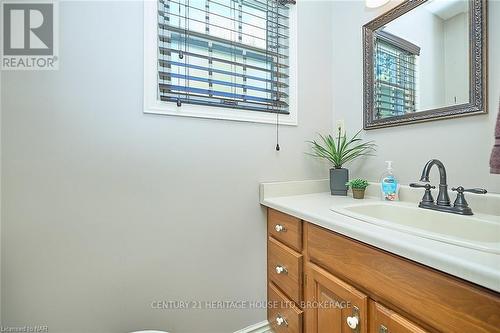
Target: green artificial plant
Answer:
[[341, 149]]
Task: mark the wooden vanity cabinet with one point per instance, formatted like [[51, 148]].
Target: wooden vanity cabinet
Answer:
[[340, 285]]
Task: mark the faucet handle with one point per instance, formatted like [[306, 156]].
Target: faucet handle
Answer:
[[461, 203], [428, 199], [461, 190], [426, 186]]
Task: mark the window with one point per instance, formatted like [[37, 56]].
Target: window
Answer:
[[395, 77], [227, 59]]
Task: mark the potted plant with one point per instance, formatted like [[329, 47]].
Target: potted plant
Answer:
[[358, 187], [339, 151]]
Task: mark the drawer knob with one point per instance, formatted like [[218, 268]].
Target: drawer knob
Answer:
[[280, 321], [352, 322], [279, 228], [281, 270]]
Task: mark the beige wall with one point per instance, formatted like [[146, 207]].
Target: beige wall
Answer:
[[456, 61], [429, 37], [106, 209], [463, 144]]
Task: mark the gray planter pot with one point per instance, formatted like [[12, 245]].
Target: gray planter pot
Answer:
[[338, 178]]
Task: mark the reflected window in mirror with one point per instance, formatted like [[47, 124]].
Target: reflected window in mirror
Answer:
[[395, 76]]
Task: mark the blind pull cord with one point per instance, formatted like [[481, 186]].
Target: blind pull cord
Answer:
[[278, 148], [186, 27], [278, 132], [181, 54]]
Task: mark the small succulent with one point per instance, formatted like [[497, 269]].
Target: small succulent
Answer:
[[358, 183]]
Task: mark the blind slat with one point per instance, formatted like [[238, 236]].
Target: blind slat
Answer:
[[379, 95], [397, 112], [389, 105], [225, 104], [220, 40], [186, 19], [209, 59], [207, 24], [209, 92], [392, 85], [168, 63], [406, 69], [165, 92], [223, 83], [165, 2], [183, 44], [212, 13]]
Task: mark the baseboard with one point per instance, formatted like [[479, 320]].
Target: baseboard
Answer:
[[262, 327]]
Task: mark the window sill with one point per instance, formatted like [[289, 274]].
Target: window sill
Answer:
[[195, 111]]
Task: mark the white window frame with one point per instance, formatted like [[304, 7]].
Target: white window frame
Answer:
[[152, 105]]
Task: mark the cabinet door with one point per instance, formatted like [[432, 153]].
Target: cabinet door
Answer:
[[331, 305], [383, 320]]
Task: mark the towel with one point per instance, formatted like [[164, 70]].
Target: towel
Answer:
[[495, 154]]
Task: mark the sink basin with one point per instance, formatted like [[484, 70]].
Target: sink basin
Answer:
[[478, 232]]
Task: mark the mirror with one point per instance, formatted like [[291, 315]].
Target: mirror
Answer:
[[425, 60]]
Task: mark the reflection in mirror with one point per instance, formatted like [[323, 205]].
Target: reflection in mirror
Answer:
[[421, 60]]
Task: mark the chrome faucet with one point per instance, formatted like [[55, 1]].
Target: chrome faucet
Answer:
[[443, 202]]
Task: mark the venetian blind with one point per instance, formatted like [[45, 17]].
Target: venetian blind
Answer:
[[225, 53], [395, 76]]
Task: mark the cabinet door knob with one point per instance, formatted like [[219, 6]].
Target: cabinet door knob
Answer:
[[279, 228], [352, 322], [280, 321], [281, 270]]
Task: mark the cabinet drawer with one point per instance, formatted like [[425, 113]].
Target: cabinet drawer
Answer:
[[284, 267], [282, 314], [285, 228], [438, 300], [383, 320]]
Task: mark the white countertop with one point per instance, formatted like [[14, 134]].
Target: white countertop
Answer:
[[308, 201]]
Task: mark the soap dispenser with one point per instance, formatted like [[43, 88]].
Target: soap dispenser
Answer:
[[389, 184]]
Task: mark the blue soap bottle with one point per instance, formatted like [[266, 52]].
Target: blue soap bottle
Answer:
[[389, 184]]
